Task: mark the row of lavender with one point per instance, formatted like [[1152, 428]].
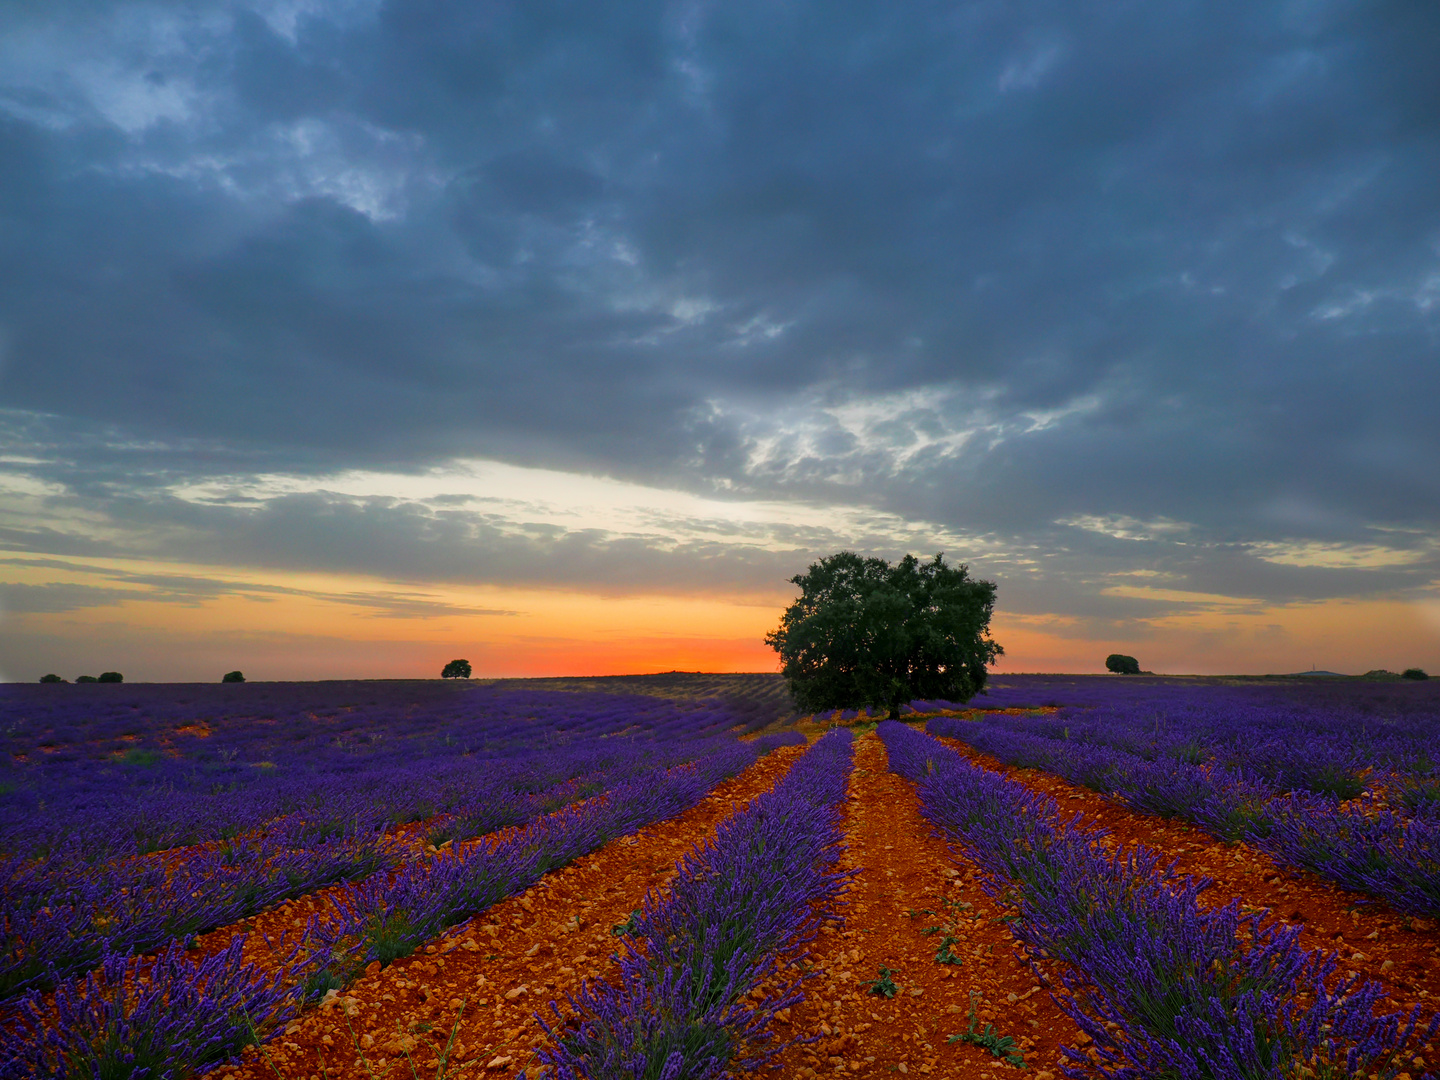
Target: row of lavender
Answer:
[[1385, 843], [688, 1000], [169, 1017], [1163, 986], [1347, 700], [60, 917], [147, 768], [388, 916], [1331, 737]]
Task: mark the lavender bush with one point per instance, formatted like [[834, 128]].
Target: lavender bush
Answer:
[[90, 774], [1358, 846], [389, 916], [165, 1018], [60, 916], [101, 903], [52, 930], [222, 1004], [1340, 781], [741, 908], [1162, 986]]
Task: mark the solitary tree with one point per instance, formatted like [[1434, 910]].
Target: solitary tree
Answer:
[[51, 678], [110, 676], [456, 669], [864, 632], [1414, 673], [233, 676], [1122, 664]]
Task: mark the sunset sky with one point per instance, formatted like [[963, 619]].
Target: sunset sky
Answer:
[[340, 339]]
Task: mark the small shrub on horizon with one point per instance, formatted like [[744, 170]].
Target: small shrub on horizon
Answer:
[[233, 676], [51, 678], [1414, 673], [110, 676]]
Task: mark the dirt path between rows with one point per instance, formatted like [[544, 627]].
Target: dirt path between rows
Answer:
[[505, 964], [908, 882], [1400, 952]]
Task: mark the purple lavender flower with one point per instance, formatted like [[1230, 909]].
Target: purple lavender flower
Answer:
[[742, 907], [1162, 986], [167, 1017]]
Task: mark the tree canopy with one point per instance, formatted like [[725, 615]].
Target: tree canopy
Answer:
[[1122, 664], [456, 669], [866, 633]]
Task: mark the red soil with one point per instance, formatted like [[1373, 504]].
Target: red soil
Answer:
[[905, 870], [504, 965], [1401, 952]]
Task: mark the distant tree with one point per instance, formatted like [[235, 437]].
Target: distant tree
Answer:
[[86, 678], [1122, 664], [864, 632], [51, 678], [1414, 673], [110, 676], [456, 669], [233, 676]]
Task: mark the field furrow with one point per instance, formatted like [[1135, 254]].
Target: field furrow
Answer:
[[1401, 952], [908, 883], [504, 965]]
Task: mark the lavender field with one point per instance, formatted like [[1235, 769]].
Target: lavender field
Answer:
[[277, 877], [1339, 777], [137, 817]]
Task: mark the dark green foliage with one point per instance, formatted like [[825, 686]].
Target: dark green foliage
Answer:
[[864, 632], [86, 678], [496, 815], [883, 986], [1414, 673], [51, 678], [1122, 664], [626, 927], [110, 676], [233, 676], [1002, 1046], [1337, 781], [943, 955], [456, 669]]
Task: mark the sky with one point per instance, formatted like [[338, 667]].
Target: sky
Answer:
[[341, 338]]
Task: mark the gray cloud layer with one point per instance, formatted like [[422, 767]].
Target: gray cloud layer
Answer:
[[989, 266]]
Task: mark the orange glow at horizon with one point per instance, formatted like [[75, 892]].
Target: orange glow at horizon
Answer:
[[329, 626]]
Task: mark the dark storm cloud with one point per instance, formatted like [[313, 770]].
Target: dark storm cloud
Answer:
[[1169, 262]]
